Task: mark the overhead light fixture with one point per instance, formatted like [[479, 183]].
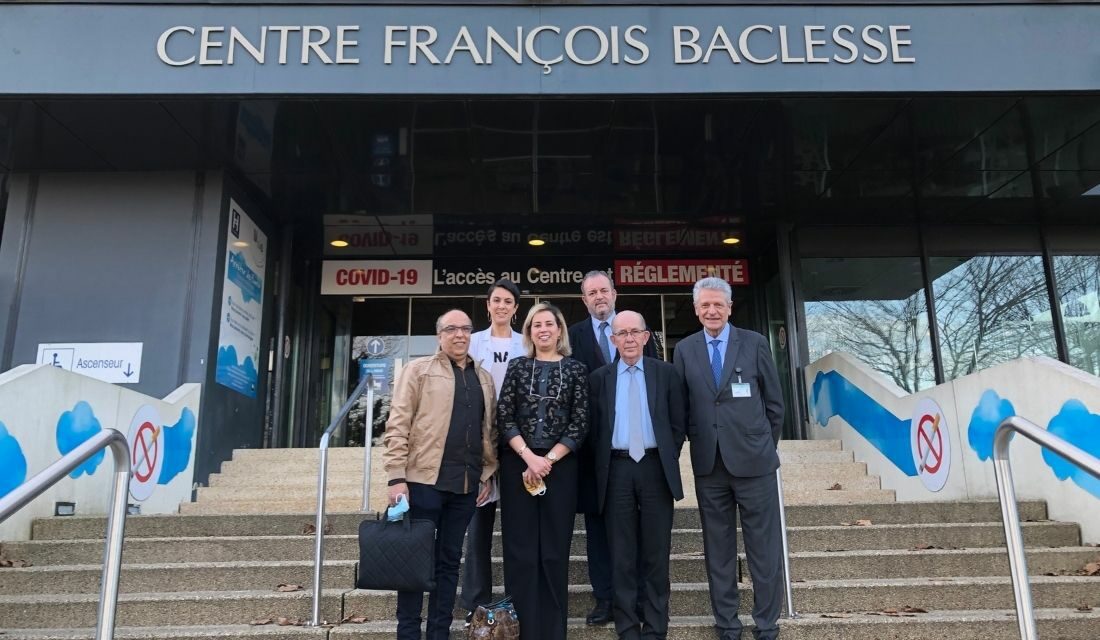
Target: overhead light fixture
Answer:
[[731, 240], [1095, 191], [240, 244], [339, 244], [536, 242]]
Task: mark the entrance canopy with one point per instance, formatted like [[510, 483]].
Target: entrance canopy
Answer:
[[282, 49]]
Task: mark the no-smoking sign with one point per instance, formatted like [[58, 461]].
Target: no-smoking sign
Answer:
[[146, 452], [931, 444]]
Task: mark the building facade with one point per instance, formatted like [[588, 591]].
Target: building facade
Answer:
[[274, 198]]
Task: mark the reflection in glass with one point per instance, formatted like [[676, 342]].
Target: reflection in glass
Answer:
[[874, 310], [990, 309], [1079, 294]]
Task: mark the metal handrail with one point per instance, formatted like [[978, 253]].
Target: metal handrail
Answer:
[[786, 546], [1010, 515], [322, 482], [116, 517]]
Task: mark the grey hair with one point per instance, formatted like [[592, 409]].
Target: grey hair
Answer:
[[439, 320], [595, 273], [714, 284]]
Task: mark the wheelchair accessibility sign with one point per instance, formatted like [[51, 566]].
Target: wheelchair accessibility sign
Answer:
[[114, 362]]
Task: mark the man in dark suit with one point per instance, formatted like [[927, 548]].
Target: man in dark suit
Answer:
[[591, 342], [735, 417], [637, 430]]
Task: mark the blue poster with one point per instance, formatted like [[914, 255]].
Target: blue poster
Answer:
[[242, 304]]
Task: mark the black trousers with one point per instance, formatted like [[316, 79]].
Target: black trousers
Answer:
[[536, 533], [477, 571], [757, 499], [451, 514], [639, 513]]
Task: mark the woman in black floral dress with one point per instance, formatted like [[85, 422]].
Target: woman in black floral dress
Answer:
[[542, 415]]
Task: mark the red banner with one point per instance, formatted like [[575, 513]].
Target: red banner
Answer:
[[654, 273]]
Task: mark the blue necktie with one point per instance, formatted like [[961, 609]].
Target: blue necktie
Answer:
[[603, 342], [716, 361], [636, 446]]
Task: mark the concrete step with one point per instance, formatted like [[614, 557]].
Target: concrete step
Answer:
[[241, 607], [287, 502], [170, 577], [1055, 624], [154, 609], [356, 453], [345, 547], [354, 490], [259, 575], [826, 596], [84, 527], [837, 471], [252, 632], [815, 457]]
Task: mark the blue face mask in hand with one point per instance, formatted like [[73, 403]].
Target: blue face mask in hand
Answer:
[[394, 513]]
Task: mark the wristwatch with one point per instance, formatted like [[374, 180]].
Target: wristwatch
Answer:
[[552, 457]]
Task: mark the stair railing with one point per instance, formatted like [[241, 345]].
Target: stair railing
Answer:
[[786, 545], [116, 517], [322, 483], [1010, 515]]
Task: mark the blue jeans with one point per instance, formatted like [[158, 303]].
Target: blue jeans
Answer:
[[451, 514]]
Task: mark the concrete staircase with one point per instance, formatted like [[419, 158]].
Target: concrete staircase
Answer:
[[858, 558]]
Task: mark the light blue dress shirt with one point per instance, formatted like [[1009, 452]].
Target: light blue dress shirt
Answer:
[[620, 437], [606, 332], [723, 338]]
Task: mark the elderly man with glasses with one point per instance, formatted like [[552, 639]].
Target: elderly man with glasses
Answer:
[[440, 453], [637, 431]]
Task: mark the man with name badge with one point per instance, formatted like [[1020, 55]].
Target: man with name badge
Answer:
[[735, 418], [637, 433]]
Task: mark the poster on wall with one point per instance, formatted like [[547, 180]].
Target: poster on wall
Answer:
[[242, 304]]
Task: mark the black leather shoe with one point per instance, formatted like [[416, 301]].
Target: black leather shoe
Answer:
[[601, 613]]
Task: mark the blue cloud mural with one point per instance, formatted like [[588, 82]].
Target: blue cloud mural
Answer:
[[1075, 424], [239, 377], [991, 411], [73, 428], [177, 446], [835, 395], [13, 464]]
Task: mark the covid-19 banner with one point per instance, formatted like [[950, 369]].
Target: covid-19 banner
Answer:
[[242, 304]]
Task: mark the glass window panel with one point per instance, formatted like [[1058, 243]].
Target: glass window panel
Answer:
[[379, 327], [874, 310], [1079, 296], [990, 309]]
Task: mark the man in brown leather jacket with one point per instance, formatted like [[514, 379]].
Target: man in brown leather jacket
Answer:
[[440, 454]]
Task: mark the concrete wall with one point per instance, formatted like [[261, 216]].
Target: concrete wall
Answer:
[[45, 412], [129, 257], [891, 431]]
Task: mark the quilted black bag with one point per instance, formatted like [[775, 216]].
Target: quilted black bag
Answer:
[[397, 556]]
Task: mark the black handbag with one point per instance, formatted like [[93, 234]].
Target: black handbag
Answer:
[[397, 556]]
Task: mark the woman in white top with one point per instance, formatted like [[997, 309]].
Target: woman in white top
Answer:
[[492, 349]]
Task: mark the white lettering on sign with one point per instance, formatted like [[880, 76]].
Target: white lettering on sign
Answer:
[[114, 362], [544, 45], [765, 44], [375, 277], [632, 273]]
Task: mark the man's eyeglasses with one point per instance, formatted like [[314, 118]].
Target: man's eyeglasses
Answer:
[[451, 329], [636, 334]]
